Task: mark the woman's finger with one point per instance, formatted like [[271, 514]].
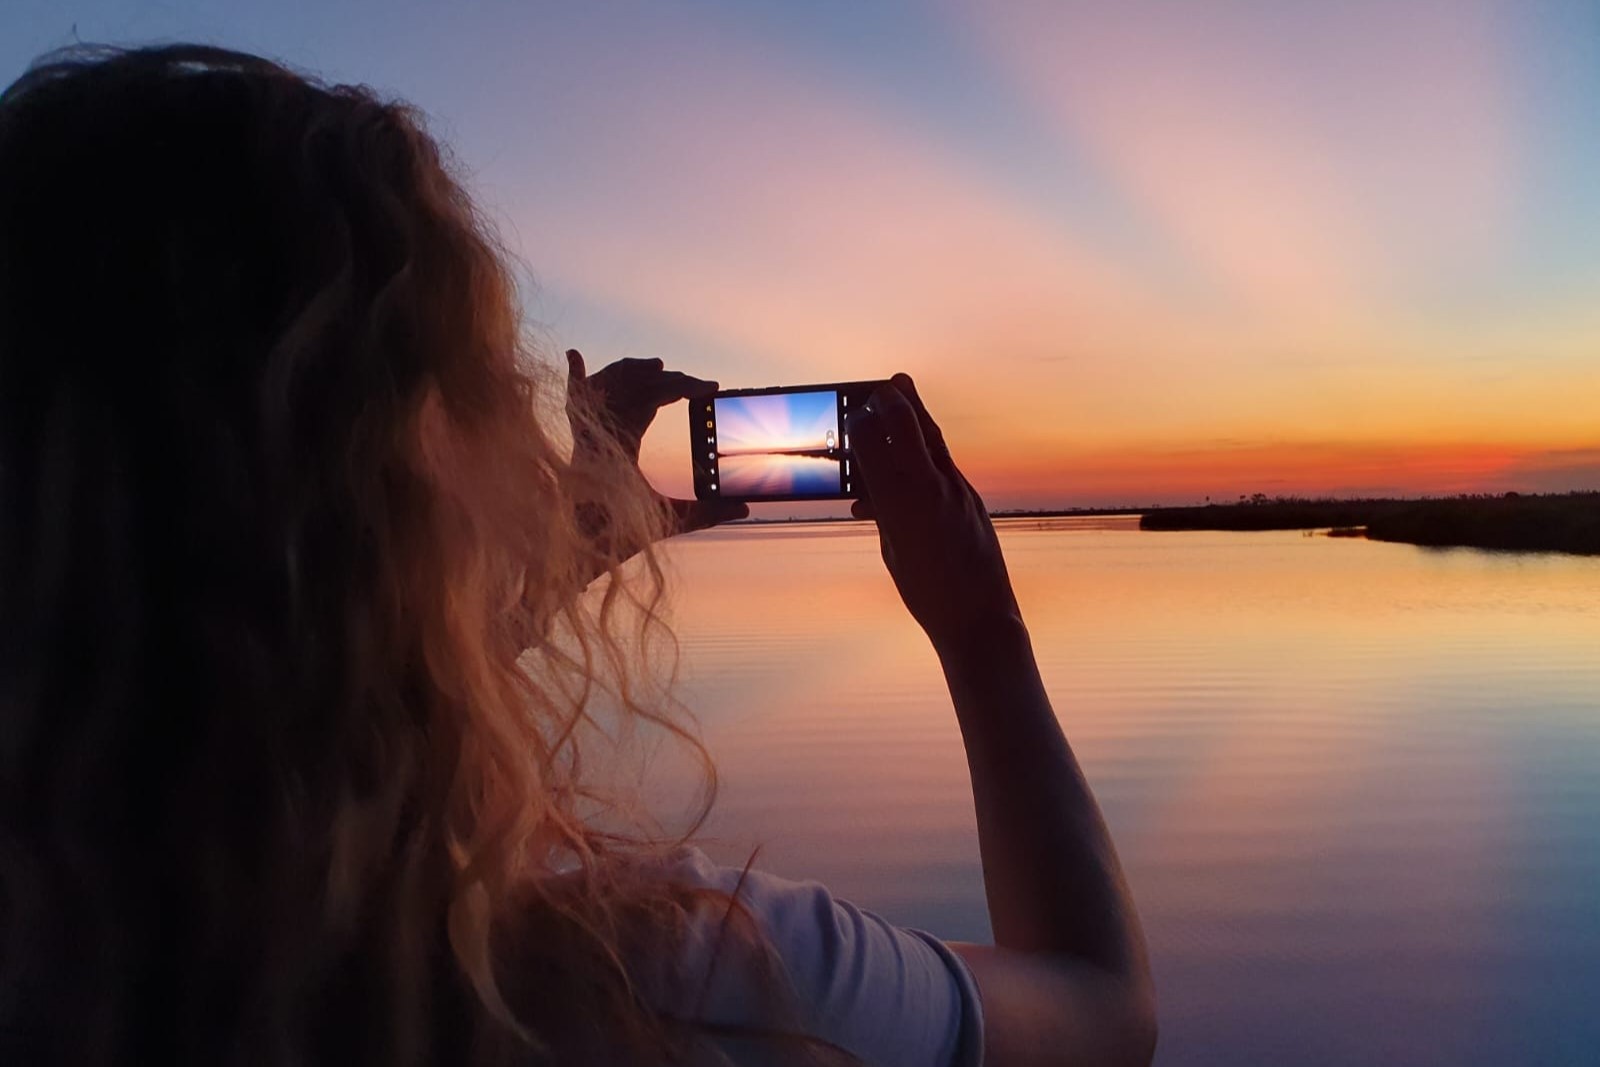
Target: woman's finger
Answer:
[[930, 429], [672, 386], [690, 515], [579, 400], [632, 365], [863, 429], [861, 507], [576, 374], [888, 444]]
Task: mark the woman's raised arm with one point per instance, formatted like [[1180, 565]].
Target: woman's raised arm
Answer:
[[1067, 981]]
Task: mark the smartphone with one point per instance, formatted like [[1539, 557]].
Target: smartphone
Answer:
[[782, 443]]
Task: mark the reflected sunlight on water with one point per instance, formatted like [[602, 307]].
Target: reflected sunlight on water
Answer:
[[1353, 783], [775, 474]]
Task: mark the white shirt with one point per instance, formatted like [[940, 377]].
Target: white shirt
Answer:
[[892, 997]]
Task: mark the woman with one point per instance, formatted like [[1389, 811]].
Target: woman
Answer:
[[309, 611]]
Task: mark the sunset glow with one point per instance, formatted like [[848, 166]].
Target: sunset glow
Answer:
[[776, 423], [1132, 253], [770, 445]]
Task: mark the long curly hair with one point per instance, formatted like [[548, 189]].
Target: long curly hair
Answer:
[[296, 654]]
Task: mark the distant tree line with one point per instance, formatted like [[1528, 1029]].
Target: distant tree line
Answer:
[[1561, 522]]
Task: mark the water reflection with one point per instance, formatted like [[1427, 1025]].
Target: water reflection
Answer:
[[1353, 782], [775, 473]]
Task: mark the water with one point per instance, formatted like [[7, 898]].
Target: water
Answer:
[[1356, 785], [775, 474]]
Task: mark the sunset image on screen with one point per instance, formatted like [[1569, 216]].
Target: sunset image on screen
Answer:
[[780, 445]]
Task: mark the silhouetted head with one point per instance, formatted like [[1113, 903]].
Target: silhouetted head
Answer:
[[280, 501]]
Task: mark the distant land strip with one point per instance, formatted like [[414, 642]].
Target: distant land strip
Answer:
[[1558, 522], [1566, 522]]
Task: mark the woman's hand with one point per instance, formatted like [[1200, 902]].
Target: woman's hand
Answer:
[[625, 396], [937, 540]]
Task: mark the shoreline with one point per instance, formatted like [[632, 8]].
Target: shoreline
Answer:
[[1564, 522], [1555, 522]]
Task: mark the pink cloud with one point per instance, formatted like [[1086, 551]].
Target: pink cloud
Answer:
[[724, 191], [1308, 155]]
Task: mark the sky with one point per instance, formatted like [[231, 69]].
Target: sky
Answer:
[[1133, 253], [765, 423]]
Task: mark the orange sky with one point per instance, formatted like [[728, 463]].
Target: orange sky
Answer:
[[1140, 252]]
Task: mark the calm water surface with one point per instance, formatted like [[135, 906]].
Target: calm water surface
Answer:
[[1356, 785]]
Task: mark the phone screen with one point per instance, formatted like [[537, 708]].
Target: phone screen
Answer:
[[786, 443]]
